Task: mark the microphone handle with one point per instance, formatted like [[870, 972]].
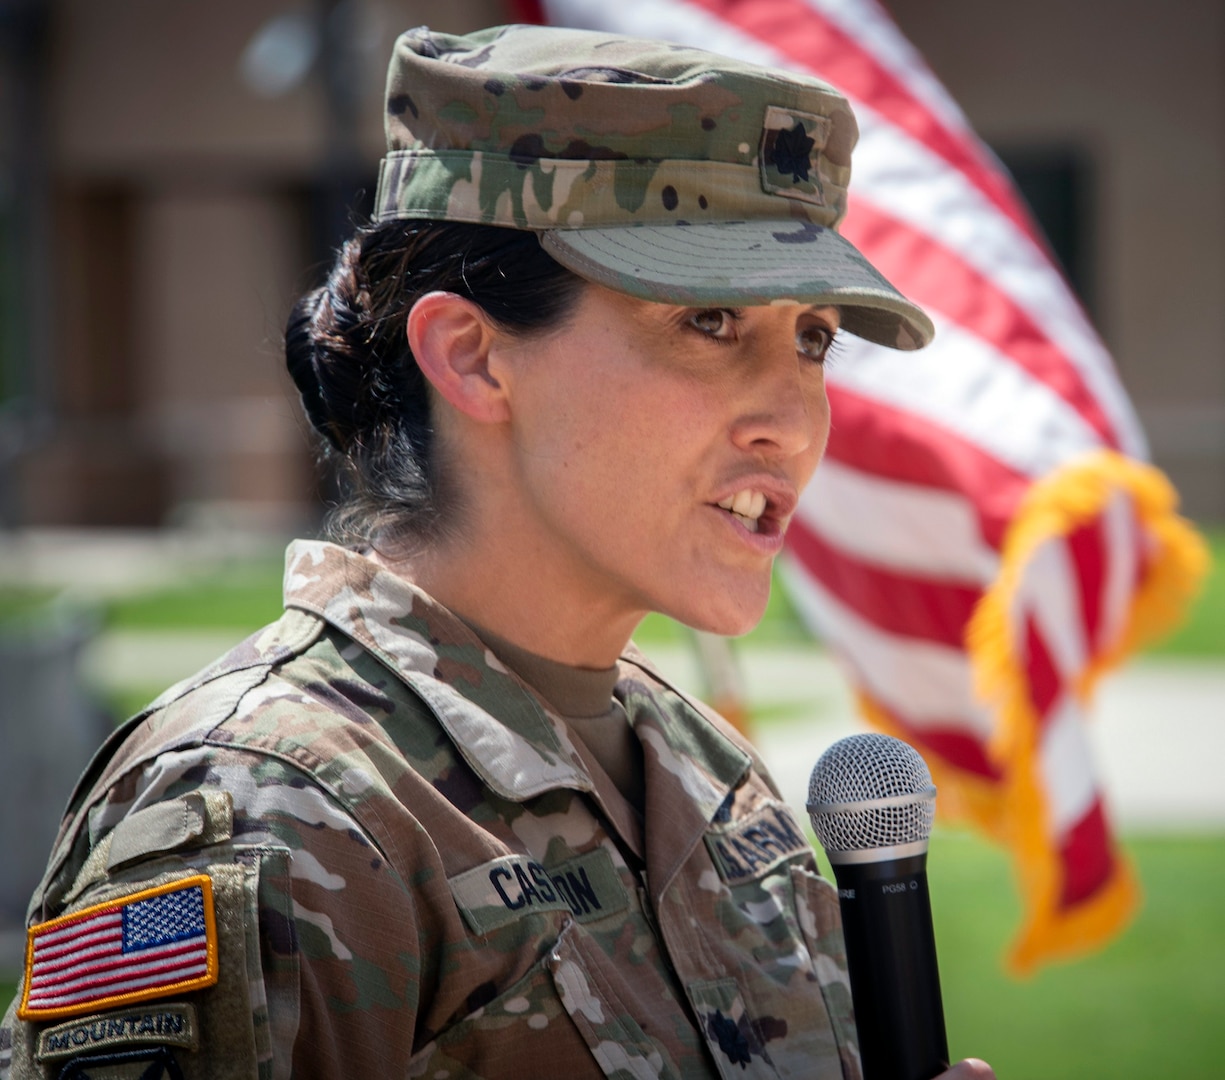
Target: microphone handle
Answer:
[[891, 956]]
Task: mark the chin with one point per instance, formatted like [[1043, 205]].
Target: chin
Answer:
[[728, 619]]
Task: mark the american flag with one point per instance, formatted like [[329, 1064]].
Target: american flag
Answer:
[[983, 539], [155, 942]]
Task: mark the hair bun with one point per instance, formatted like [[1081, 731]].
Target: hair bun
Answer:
[[301, 358], [328, 354]]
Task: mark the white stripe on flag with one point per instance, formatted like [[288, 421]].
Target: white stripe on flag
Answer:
[[1049, 593], [1122, 556], [926, 683], [904, 527], [1066, 767], [961, 382]]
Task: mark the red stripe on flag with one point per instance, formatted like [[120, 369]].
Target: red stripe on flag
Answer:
[[812, 43], [957, 748], [895, 444], [1041, 673], [935, 277], [526, 11], [1086, 857], [896, 603], [102, 947], [950, 742], [1087, 548], [167, 959]]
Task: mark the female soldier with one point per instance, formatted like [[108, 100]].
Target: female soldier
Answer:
[[441, 819]]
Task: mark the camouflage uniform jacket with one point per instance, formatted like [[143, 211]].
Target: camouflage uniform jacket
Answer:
[[414, 871]]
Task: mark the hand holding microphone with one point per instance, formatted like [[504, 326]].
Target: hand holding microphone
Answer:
[[871, 801]]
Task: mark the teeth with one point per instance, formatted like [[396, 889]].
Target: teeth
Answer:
[[748, 505]]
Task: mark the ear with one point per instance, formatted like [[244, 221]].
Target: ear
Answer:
[[451, 337]]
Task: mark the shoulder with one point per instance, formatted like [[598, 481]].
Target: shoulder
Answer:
[[270, 730], [241, 810]]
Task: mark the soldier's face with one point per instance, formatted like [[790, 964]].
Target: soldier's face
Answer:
[[659, 451]]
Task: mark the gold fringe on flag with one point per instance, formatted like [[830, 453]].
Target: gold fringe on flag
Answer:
[[1176, 560]]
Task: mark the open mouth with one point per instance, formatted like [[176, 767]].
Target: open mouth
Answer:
[[746, 506]]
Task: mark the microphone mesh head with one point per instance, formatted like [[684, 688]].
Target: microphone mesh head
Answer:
[[864, 769]]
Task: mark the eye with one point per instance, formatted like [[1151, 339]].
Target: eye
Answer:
[[814, 341], [717, 323]]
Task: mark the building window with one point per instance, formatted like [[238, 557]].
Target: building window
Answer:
[[1057, 183]]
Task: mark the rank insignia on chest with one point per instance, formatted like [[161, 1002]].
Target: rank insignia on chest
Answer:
[[146, 945]]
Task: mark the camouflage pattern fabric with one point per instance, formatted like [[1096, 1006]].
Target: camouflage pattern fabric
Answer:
[[665, 172], [541, 127], [416, 874]]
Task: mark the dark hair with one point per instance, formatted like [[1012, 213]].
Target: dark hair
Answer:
[[346, 348]]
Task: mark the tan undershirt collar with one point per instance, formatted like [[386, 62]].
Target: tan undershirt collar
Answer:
[[584, 699], [574, 692]]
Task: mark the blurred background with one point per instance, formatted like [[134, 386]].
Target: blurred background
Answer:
[[173, 175]]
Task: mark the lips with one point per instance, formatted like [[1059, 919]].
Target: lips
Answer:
[[762, 503]]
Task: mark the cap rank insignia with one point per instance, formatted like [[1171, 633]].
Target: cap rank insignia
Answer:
[[791, 145]]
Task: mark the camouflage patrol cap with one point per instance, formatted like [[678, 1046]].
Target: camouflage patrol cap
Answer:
[[664, 172]]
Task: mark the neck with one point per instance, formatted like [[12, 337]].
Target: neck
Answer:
[[500, 586]]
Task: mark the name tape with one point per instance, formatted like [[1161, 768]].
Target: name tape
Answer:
[[499, 892], [750, 848]]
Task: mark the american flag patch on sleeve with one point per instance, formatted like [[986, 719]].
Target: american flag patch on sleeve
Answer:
[[155, 942]]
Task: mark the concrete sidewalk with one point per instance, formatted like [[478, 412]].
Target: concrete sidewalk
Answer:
[[1158, 734]]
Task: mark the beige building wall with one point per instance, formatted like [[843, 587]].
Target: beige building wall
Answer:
[[179, 208], [179, 200]]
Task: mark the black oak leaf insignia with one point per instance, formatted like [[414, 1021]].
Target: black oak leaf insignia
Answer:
[[792, 151], [726, 1032]]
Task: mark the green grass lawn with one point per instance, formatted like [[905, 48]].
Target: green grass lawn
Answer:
[[1149, 1005], [241, 598], [244, 597]]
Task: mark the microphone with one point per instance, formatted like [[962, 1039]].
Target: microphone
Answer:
[[871, 801]]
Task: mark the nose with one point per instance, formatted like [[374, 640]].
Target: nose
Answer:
[[782, 408]]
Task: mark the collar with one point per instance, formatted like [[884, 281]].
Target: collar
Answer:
[[506, 734], [684, 739], [502, 730]]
